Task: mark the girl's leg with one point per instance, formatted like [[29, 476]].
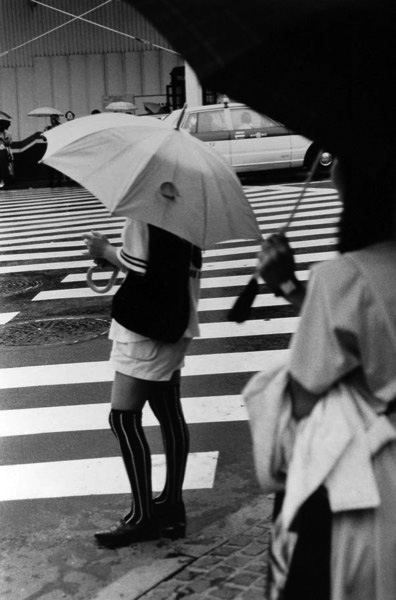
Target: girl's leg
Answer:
[[165, 402], [128, 398]]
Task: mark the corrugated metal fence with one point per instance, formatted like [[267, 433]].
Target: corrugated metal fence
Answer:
[[78, 67]]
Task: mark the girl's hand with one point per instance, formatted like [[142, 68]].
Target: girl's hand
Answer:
[[97, 244]]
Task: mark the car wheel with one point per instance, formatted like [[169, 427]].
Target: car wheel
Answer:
[[325, 162]]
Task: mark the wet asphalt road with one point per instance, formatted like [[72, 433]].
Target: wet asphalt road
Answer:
[[47, 544]]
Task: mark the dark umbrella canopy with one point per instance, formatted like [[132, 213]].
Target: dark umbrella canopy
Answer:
[[325, 68]]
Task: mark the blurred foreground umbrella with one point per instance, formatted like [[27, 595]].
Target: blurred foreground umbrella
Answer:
[[45, 111], [4, 116], [325, 68], [141, 169]]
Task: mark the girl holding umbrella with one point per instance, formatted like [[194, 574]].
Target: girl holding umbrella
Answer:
[[154, 319]]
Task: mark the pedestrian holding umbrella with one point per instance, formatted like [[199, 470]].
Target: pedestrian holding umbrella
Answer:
[[45, 111], [178, 196]]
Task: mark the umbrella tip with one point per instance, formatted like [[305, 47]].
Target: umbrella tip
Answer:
[[179, 120]]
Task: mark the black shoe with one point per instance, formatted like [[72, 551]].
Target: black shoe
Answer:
[[124, 534], [171, 519]]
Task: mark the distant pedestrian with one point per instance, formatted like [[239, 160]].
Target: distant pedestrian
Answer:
[[55, 177], [6, 158], [95, 111]]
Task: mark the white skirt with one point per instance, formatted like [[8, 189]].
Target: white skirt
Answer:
[[149, 359]]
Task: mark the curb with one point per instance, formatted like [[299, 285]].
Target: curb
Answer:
[[220, 557]]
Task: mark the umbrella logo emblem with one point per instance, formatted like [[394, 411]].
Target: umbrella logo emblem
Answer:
[[168, 190]]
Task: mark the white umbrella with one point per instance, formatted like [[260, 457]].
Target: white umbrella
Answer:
[[120, 106], [44, 111], [77, 129], [144, 170]]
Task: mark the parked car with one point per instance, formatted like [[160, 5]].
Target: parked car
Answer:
[[248, 140]]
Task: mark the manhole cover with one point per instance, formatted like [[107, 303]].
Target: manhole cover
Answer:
[[20, 285], [53, 331]]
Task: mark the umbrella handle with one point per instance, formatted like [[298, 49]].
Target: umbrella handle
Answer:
[[241, 309], [101, 289]]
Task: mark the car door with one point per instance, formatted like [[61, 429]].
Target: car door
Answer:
[[210, 127], [257, 141]]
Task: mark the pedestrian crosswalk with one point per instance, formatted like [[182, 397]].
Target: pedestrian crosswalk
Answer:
[[40, 235]]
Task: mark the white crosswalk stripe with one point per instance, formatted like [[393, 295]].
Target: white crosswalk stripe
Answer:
[[41, 234]]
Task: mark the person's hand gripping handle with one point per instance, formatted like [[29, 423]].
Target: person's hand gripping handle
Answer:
[[98, 246]]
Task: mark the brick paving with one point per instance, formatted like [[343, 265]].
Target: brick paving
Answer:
[[233, 570]]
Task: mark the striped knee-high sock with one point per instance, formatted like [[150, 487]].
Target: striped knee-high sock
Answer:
[[127, 427], [167, 408]]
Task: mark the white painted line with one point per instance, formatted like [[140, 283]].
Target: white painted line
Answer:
[[272, 207], [237, 280], [6, 317], [302, 214], [274, 188], [100, 371], [48, 224], [256, 248], [275, 226], [226, 302], [93, 417], [78, 264], [67, 294], [251, 262], [56, 215], [33, 208], [308, 194], [50, 245], [32, 202], [64, 213], [66, 232], [40, 255], [291, 234], [95, 477], [226, 329]]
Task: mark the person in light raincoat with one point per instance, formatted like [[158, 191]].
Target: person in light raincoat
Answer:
[[347, 333]]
